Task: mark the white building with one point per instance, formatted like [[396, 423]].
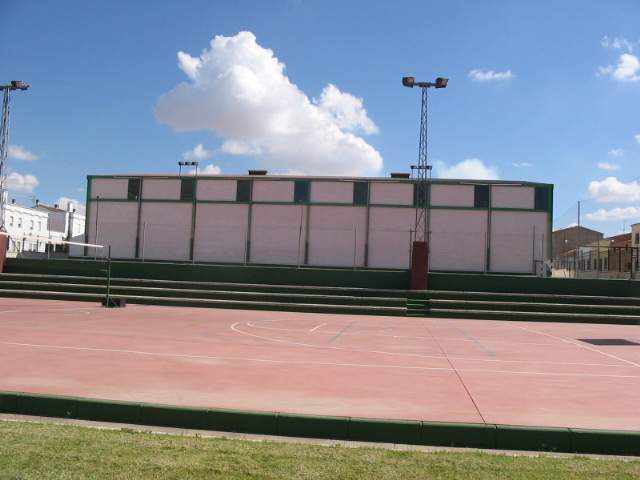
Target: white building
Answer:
[[31, 229], [27, 228], [63, 224], [479, 226]]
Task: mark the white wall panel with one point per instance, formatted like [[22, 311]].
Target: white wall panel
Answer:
[[513, 244], [109, 187], [390, 193], [275, 234], [161, 188], [117, 222], [512, 197], [332, 192], [220, 190], [221, 232], [167, 230], [390, 236], [335, 233], [452, 195], [272, 191], [458, 240]]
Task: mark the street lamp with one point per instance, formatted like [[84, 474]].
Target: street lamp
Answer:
[[419, 251]]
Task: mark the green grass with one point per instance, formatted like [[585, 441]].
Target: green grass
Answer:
[[33, 450]]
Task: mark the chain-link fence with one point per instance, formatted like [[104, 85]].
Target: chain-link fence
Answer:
[[598, 262]]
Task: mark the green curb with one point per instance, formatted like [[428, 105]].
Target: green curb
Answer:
[[109, 411], [8, 402], [181, 417], [46, 405], [514, 437], [507, 437], [388, 431], [313, 427], [606, 442], [458, 434], [263, 423]]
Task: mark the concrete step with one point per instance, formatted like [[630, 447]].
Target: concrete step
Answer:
[[206, 294], [535, 316], [535, 307], [218, 286], [210, 303], [532, 297]]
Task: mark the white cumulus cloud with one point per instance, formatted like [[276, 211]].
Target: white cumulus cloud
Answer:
[[618, 43], [613, 190], [615, 152], [468, 169], [347, 110], [210, 169], [63, 202], [238, 89], [626, 70], [21, 183], [618, 213], [484, 75], [608, 166], [198, 153], [18, 152]]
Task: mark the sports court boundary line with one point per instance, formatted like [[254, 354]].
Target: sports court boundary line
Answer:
[[486, 436]]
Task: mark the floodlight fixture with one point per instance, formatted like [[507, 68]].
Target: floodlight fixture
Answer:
[[187, 164], [441, 82], [15, 85], [408, 81]]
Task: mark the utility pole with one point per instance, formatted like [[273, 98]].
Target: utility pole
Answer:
[[419, 251], [4, 142]]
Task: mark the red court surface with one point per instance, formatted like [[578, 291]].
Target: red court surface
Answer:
[[521, 373]]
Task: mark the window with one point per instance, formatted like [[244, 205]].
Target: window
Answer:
[[243, 191], [11, 221], [421, 193], [301, 191], [133, 190], [39, 226], [637, 240], [19, 221], [541, 198], [187, 189], [481, 196], [31, 225], [360, 193]]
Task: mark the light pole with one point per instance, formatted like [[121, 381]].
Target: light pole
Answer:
[[419, 253], [187, 164], [4, 141]]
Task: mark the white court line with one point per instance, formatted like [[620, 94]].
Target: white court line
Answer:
[[579, 344], [289, 362], [51, 310], [367, 334], [316, 327], [234, 327]]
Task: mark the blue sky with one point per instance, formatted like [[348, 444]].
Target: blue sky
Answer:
[[555, 96]]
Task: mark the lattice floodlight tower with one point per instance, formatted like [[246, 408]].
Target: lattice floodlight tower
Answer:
[[419, 257], [4, 142]]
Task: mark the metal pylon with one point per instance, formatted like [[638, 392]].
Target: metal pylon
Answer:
[[422, 177], [4, 146]]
